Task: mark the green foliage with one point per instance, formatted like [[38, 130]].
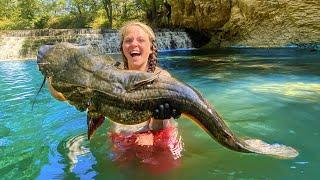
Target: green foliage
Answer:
[[68, 22], [100, 20], [39, 14], [41, 22]]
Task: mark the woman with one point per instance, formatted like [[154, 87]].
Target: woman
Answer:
[[154, 142]]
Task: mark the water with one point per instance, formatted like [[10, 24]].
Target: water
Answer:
[[270, 94]]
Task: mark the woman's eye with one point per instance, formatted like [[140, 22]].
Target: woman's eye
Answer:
[[128, 40], [141, 40]]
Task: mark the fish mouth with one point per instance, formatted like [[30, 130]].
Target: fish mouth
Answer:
[[41, 53], [41, 62], [43, 67]]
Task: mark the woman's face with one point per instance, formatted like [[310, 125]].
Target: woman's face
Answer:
[[136, 48]]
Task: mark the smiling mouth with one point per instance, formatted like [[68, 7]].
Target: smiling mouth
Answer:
[[135, 53]]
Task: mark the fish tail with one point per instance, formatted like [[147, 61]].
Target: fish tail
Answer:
[[277, 150], [218, 130], [209, 120]]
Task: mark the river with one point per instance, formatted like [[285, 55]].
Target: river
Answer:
[[270, 94]]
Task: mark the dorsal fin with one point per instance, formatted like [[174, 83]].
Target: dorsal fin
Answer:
[[117, 64]]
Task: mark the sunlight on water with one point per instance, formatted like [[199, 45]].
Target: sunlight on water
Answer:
[[271, 95], [299, 90]]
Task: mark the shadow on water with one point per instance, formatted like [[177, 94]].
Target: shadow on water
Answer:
[[243, 61]]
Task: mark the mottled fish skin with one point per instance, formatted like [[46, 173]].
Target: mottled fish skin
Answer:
[[128, 97]]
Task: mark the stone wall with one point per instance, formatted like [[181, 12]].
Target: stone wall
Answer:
[[200, 14], [257, 23], [24, 44]]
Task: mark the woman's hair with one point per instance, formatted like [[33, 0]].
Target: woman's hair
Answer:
[[152, 59]]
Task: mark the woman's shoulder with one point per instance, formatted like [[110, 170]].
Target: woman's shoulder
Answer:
[[162, 71]]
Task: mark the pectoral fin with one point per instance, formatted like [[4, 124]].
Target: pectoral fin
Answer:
[[93, 123], [144, 82]]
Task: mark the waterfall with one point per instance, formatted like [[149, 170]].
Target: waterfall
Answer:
[[168, 40], [110, 43], [10, 47], [23, 44], [104, 43]]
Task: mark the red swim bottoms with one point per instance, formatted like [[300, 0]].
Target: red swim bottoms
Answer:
[[159, 151]]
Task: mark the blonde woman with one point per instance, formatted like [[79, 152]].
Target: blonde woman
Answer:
[[155, 141]]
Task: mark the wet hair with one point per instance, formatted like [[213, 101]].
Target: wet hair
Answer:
[[152, 59]]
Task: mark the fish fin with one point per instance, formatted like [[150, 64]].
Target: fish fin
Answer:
[[34, 100], [93, 123], [117, 64], [144, 82], [277, 150]]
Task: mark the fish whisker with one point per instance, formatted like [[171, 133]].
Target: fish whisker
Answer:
[[34, 100]]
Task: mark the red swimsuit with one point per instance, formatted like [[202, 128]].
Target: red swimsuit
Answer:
[[159, 151]]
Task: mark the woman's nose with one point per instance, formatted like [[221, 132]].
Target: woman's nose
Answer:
[[135, 42]]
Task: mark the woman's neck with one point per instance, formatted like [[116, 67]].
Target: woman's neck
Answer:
[[141, 68]]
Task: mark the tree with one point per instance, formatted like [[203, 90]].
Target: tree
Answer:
[[107, 5], [28, 10], [152, 9]]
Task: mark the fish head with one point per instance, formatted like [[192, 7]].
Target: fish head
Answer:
[[52, 61], [68, 69]]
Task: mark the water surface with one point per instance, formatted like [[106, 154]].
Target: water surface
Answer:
[[270, 94]]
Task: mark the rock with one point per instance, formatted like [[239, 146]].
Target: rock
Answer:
[[200, 14], [256, 23]]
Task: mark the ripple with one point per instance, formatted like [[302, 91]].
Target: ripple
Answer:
[[79, 157], [4, 142], [302, 162], [76, 147]]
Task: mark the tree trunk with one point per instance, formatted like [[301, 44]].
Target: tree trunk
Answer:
[[124, 11], [107, 4], [154, 12]]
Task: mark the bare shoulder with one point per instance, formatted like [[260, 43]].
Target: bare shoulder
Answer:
[[162, 72]]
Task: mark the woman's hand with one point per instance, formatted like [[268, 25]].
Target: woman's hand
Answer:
[[165, 111]]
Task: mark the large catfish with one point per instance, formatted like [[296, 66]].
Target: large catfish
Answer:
[[93, 84]]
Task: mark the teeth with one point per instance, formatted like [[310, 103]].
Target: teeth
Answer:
[[135, 53]]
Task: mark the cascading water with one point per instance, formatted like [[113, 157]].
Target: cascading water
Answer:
[[13, 43], [10, 47], [104, 43], [109, 42]]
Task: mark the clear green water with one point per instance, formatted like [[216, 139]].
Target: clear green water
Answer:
[[270, 94]]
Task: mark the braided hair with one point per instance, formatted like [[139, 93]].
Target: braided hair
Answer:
[[152, 59]]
